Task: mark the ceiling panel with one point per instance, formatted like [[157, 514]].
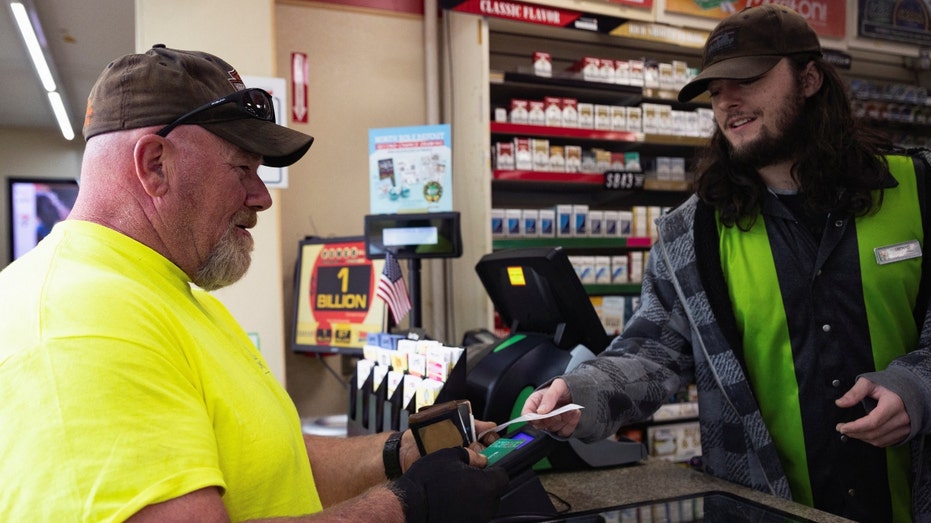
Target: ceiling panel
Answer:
[[83, 36]]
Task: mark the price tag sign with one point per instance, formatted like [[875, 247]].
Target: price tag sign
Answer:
[[623, 180]]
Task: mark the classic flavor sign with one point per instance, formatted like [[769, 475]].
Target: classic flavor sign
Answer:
[[538, 14]]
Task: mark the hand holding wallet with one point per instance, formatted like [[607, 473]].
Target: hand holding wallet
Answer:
[[443, 425]]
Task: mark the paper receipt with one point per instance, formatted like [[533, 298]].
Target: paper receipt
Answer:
[[530, 416]]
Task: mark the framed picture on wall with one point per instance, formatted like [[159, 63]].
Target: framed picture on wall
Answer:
[[35, 205]]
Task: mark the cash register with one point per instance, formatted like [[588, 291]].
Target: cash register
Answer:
[[553, 328]]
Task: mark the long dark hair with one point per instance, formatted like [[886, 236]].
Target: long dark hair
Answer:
[[838, 164]]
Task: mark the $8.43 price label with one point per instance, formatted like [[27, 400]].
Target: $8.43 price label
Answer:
[[623, 180]]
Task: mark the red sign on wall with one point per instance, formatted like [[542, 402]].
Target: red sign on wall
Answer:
[[538, 14], [299, 74]]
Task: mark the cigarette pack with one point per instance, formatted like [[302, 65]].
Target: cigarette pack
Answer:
[[619, 269], [570, 112], [602, 117], [618, 118], [602, 269], [530, 219], [547, 222], [579, 220], [564, 220], [553, 111], [519, 111], [609, 223], [573, 158], [542, 64], [586, 115], [536, 112], [596, 223], [540, 148], [523, 154], [504, 155], [497, 223], [635, 119], [512, 219], [588, 68]]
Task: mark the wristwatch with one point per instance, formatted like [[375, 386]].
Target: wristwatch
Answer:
[[391, 455]]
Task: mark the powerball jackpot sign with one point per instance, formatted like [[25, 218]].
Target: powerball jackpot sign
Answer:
[[335, 303]]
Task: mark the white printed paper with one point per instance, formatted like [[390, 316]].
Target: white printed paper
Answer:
[[530, 416]]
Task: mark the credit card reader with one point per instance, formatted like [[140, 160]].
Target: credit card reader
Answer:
[[553, 327], [517, 452]]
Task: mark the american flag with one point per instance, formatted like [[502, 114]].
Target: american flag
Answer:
[[392, 289]]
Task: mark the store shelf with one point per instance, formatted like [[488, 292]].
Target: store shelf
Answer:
[[506, 82], [628, 137], [588, 242], [518, 129], [586, 179], [549, 176], [680, 141], [561, 80]]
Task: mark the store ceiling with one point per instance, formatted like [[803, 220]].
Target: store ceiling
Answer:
[[83, 36]]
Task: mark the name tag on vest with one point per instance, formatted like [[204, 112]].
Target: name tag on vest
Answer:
[[897, 252]]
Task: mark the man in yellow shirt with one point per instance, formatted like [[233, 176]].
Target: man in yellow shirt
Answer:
[[128, 393]]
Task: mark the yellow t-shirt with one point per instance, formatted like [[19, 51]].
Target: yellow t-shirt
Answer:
[[121, 386]]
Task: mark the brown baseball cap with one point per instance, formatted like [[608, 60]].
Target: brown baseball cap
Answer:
[[155, 88], [751, 42]]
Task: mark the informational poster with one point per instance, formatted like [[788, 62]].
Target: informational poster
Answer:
[[907, 21], [410, 169], [335, 303], [826, 17]]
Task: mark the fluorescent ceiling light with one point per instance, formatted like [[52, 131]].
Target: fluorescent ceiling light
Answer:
[[58, 107], [43, 68], [32, 44]]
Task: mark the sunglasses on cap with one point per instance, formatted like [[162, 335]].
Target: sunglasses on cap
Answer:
[[254, 102]]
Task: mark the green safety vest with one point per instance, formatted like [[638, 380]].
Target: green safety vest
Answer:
[[750, 272]]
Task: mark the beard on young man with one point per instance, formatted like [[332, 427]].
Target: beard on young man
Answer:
[[778, 143]]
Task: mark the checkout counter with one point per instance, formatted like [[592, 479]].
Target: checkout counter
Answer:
[[554, 328], [656, 490]]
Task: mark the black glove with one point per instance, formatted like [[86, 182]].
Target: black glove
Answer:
[[443, 487]]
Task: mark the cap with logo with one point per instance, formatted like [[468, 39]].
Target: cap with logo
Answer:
[[750, 43], [155, 88]]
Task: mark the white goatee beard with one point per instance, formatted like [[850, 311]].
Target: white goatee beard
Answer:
[[227, 263]]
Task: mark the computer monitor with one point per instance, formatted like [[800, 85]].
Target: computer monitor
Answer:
[[35, 205], [536, 290], [413, 236], [335, 306]]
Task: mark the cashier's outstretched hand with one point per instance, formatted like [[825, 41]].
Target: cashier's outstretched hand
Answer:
[[544, 401], [443, 487]]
